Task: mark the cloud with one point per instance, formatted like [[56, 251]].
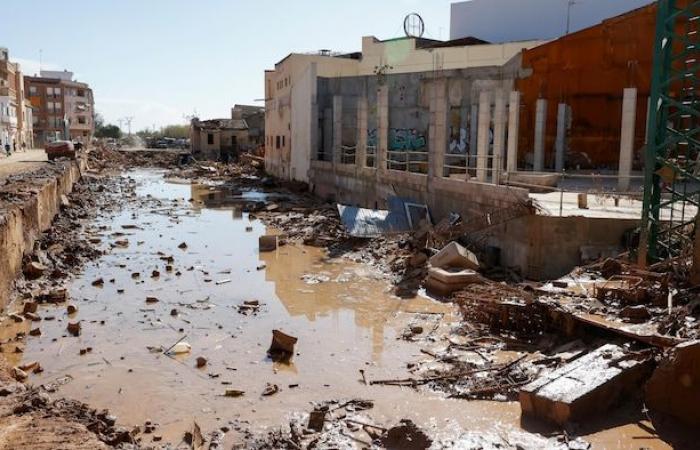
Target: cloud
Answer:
[[146, 113]]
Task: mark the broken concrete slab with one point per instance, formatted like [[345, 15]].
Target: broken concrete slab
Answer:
[[267, 243], [454, 255], [454, 276], [674, 387], [585, 386]]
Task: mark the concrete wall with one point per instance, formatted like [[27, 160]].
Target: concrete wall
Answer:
[[516, 20], [302, 125], [21, 225], [539, 247], [290, 75]]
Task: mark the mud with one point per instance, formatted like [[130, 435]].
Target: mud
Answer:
[[160, 263]]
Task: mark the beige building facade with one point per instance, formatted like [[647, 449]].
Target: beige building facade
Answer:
[[291, 114], [15, 110]]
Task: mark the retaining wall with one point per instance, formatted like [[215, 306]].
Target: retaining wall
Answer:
[[21, 224]]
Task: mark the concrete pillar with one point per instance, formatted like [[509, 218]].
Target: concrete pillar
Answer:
[[438, 128], [513, 130], [629, 120], [383, 118], [337, 128], [473, 134], [361, 153], [499, 135], [560, 145], [540, 130], [482, 146]]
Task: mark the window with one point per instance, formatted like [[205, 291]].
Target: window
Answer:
[[33, 91], [277, 142], [286, 82], [81, 93], [283, 141], [210, 138], [82, 120]]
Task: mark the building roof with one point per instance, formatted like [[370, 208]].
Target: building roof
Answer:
[[220, 124]]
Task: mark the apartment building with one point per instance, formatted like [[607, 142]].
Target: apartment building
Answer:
[[63, 107], [15, 111]]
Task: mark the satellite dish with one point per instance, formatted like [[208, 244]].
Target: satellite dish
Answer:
[[413, 26]]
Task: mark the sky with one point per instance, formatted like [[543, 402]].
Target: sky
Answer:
[[160, 61]]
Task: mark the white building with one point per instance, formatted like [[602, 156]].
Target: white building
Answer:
[[517, 20]]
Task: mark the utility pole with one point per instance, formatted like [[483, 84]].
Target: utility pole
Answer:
[[128, 122], [121, 123], [568, 14]]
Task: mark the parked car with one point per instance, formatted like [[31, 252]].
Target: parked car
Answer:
[[60, 149]]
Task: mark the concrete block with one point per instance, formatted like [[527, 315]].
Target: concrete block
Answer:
[[586, 386], [674, 387], [454, 255], [461, 277], [267, 243]]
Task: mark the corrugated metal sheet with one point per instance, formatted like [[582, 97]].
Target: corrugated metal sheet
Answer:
[[368, 223]]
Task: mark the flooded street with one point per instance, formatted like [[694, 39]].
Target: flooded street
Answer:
[[181, 260], [343, 314]]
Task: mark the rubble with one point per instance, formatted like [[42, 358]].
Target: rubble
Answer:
[[674, 387], [586, 386], [282, 346]]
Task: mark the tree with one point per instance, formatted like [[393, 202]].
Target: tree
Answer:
[[108, 131], [169, 131]]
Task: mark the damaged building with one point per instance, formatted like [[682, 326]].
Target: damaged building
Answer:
[[483, 130], [225, 139]]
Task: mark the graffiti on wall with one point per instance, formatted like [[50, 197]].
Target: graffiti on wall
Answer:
[[372, 140], [459, 141], [406, 139]]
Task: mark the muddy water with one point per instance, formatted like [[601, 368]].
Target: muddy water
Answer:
[[343, 314]]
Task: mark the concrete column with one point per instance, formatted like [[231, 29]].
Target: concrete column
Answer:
[[513, 130], [629, 121], [337, 128], [499, 135], [482, 146], [560, 146], [540, 130], [473, 133], [383, 119], [361, 153], [438, 128]]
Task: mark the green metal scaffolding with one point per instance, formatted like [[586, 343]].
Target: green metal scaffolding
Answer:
[[672, 163]]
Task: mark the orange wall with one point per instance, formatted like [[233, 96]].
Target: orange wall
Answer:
[[588, 71]]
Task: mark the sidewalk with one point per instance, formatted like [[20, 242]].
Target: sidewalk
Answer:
[[21, 162]]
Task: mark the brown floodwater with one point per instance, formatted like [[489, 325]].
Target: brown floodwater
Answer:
[[343, 313]]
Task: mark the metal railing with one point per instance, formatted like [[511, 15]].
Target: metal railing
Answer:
[[348, 154], [371, 157], [408, 161]]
